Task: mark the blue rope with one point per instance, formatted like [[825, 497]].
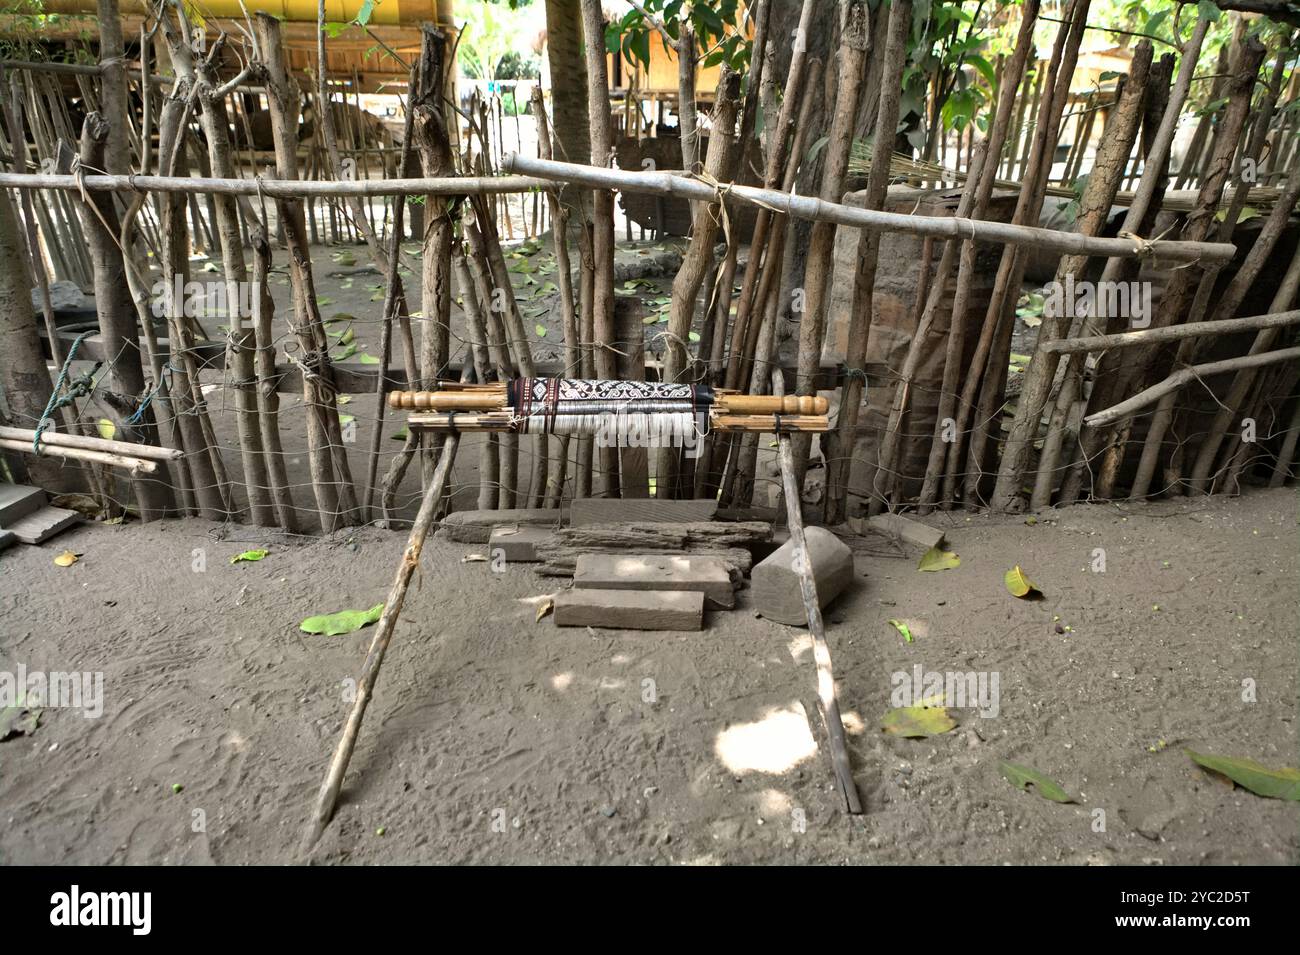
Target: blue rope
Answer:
[[80, 386]]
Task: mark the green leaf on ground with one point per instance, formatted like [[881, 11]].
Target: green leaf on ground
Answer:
[[936, 559], [106, 429], [249, 555], [902, 628], [345, 621], [540, 329], [1271, 783], [18, 720], [1022, 777], [367, 359], [917, 722], [401, 435], [1018, 585]]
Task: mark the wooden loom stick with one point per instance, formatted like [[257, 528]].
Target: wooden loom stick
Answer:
[[329, 791], [829, 705], [494, 397], [504, 421]]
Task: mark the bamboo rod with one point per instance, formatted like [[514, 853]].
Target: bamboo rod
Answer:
[[819, 210], [495, 396], [1182, 377], [134, 465], [282, 188], [104, 445], [502, 421]]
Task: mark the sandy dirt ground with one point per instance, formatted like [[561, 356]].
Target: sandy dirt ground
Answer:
[[497, 739]]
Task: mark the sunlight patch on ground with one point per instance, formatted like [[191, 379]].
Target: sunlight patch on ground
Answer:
[[853, 724], [800, 645], [775, 743], [561, 681], [774, 802]]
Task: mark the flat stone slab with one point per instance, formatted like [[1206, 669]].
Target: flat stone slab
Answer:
[[475, 527], [914, 532], [701, 574], [630, 609], [19, 500], [775, 584], [517, 542], [607, 510], [41, 525]]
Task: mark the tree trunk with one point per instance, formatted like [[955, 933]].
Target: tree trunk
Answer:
[[864, 278], [602, 299], [706, 221], [24, 379], [854, 44], [117, 318]]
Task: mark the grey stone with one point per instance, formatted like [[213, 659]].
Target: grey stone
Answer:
[[630, 609], [775, 583], [707, 575], [43, 524], [517, 542]]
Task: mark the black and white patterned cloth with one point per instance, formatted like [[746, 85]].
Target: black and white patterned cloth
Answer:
[[539, 401]]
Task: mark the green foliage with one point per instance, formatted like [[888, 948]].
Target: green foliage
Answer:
[[497, 40], [719, 32]]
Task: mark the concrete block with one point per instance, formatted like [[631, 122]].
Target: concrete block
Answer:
[[606, 510], [630, 609], [775, 584], [475, 527], [902, 528], [19, 500], [706, 575], [517, 542], [43, 524]]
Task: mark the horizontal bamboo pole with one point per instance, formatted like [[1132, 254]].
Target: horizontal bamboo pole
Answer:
[[94, 69], [1183, 376], [280, 188], [819, 210], [487, 400], [768, 423], [503, 421], [447, 400], [134, 465], [104, 445], [1149, 336]]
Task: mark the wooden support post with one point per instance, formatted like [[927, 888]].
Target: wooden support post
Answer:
[[826, 699], [329, 791]]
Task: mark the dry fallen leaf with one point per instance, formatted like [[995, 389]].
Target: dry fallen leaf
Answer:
[[1018, 585], [472, 558], [66, 559], [543, 608]]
